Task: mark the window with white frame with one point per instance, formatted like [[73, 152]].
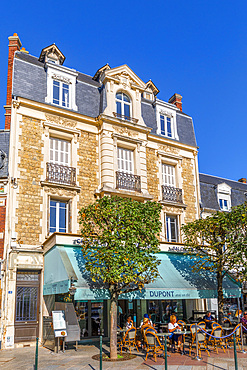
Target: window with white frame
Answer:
[[61, 94], [61, 86], [125, 159], [168, 175], [224, 196], [172, 228], [60, 151], [123, 105], [166, 127], [58, 216]]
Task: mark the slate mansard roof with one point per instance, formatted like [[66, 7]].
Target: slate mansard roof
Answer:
[[208, 187], [30, 82], [4, 153]]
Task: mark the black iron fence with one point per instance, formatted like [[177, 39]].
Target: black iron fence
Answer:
[[172, 194], [60, 174], [128, 181]]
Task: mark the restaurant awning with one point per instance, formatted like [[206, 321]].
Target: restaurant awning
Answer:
[[177, 279]]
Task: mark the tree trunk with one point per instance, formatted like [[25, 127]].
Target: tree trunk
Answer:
[[113, 326], [220, 297]]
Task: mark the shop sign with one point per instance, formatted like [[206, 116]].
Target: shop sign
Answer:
[[161, 293], [77, 241]]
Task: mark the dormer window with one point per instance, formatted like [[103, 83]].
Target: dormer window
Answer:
[[224, 204], [123, 106], [61, 93], [166, 128], [224, 196]]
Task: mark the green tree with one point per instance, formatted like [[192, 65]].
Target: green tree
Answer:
[[220, 243], [119, 245]]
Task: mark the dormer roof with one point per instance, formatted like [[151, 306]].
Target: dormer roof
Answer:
[[98, 74], [52, 52], [152, 86]]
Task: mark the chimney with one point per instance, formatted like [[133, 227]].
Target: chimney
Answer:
[[176, 99], [14, 45], [243, 180]]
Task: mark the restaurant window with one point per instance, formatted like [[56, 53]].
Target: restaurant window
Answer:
[[172, 228]]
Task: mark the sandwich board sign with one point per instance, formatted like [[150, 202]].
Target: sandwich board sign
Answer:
[[59, 324]]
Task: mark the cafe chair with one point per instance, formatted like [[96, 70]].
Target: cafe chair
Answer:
[[182, 324], [217, 342], [153, 344], [202, 324], [227, 322], [202, 342], [237, 336], [214, 324], [129, 340]]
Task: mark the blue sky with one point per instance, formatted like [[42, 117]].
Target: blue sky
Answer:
[[195, 48]]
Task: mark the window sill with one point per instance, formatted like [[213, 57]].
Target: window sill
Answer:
[[63, 186], [125, 193], [169, 203]]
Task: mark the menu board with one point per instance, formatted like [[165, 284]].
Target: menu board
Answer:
[[59, 324]]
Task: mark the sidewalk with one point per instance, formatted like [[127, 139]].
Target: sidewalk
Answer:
[[23, 359]]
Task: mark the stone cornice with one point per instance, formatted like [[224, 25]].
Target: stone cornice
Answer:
[[47, 108], [115, 121]]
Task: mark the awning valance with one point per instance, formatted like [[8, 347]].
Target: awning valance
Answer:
[[177, 279]]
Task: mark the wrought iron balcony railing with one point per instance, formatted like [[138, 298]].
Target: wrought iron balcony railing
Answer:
[[59, 174], [128, 181], [172, 194], [124, 117]]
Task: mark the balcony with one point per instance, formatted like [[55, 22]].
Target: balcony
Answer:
[[172, 194], [128, 181], [58, 174], [125, 118]]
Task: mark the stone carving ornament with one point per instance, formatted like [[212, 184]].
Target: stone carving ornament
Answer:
[[168, 149], [59, 120], [126, 131]]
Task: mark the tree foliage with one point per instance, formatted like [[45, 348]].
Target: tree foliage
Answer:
[[220, 243], [119, 244], [120, 241]]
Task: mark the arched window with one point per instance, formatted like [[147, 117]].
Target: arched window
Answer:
[[123, 105]]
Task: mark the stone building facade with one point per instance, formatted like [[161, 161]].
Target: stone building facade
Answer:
[[75, 138]]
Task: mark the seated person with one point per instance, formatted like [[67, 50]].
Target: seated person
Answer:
[[147, 320], [129, 323], [172, 327], [243, 320], [208, 318]]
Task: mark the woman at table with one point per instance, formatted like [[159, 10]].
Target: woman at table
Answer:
[[129, 323], [147, 320], [175, 338]]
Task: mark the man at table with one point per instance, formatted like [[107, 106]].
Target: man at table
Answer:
[[208, 318], [172, 327]]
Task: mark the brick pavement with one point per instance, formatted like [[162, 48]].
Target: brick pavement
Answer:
[[23, 359]]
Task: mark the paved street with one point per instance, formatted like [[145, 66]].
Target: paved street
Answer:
[[23, 358]]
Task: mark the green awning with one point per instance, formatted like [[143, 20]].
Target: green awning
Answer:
[[177, 279]]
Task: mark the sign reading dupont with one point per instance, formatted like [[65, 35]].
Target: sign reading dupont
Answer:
[[161, 293]]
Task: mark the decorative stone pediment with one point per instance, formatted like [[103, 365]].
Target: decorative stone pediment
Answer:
[[125, 76], [53, 54]]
